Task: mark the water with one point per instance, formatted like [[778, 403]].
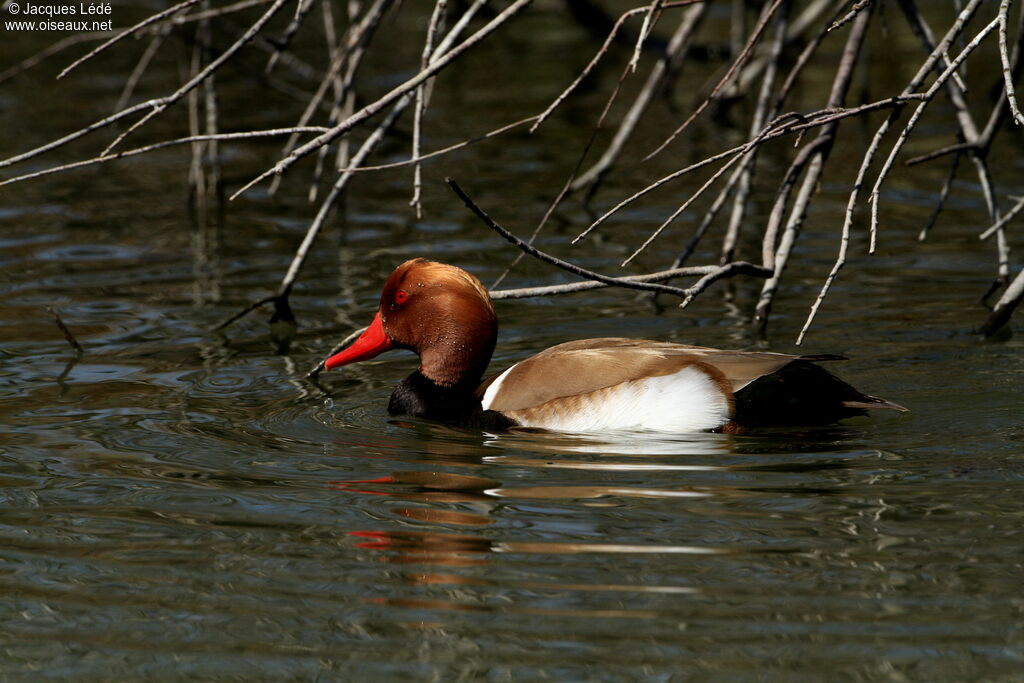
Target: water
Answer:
[[177, 503]]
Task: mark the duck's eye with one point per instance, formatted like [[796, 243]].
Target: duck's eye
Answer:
[[401, 297]]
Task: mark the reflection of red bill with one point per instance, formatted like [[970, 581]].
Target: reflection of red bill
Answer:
[[381, 542], [346, 485]]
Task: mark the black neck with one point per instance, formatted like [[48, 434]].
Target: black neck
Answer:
[[420, 396]]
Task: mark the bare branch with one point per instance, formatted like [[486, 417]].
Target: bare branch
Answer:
[[762, 113], [53, 49], [718, 272], [1004, 56], [740, 60], [113, 156], [854, 11], [422, 95], [379, 104], [649, 19], [677, 47], [547, 258], [820, 150], [783, 125], [1004, 308], [957, 149], [157, 104], [359, 36], [943, 195], [685, 205], [998, 225], [282, 43], [66, 332], [140, 69], [955, 29], [588, 68], [174, 9], [915, 117]]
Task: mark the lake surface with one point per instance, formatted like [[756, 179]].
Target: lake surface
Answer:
[[182, 504]]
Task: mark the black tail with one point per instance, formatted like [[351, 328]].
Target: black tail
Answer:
[[802, 393]]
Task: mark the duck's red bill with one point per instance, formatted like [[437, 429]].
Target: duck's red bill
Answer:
[[370, 343]]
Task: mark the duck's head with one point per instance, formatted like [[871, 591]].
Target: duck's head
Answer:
[[441, 312]]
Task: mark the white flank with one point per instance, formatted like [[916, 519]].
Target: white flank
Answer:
[[488, 399], [686, 401]]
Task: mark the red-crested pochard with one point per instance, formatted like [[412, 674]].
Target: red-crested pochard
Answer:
[[445, 315]]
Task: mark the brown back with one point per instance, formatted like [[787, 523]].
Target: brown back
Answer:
[[583, 366]]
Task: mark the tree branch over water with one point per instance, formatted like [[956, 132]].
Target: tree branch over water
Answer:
[[656, 50]]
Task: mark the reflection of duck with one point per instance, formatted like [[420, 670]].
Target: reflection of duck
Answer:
[[445, 315]]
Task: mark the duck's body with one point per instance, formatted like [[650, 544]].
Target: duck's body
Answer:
[[445, 315]]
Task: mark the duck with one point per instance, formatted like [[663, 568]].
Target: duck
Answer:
[[445, 315]]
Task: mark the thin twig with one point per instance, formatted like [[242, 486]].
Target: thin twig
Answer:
[[854, 11], [723, 272], [740, 60], [564, 192], [1004, 308], [802, 61], [762, 113], [152, 19], [66, 332], [444, 150], [140, 69], [711, 214], [915, 117], [216, 12], [806, 20], [645, 29], [737, 268], [821, 148], [319, 367], [844, 241], [947, 186], [602, 51], [1007, 217], [422, 97], [555, 261], [380, 103], [359, 36], [999, 113], [1004, 56], [113, 156], [244, 312], [957, 149], [281, 44], [785, 124], [677, 46], [769, 248], [162, 103], [53, 49], [675, 214], [154, 104]]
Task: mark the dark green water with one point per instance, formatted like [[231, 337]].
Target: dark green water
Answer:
[[181, 505]]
